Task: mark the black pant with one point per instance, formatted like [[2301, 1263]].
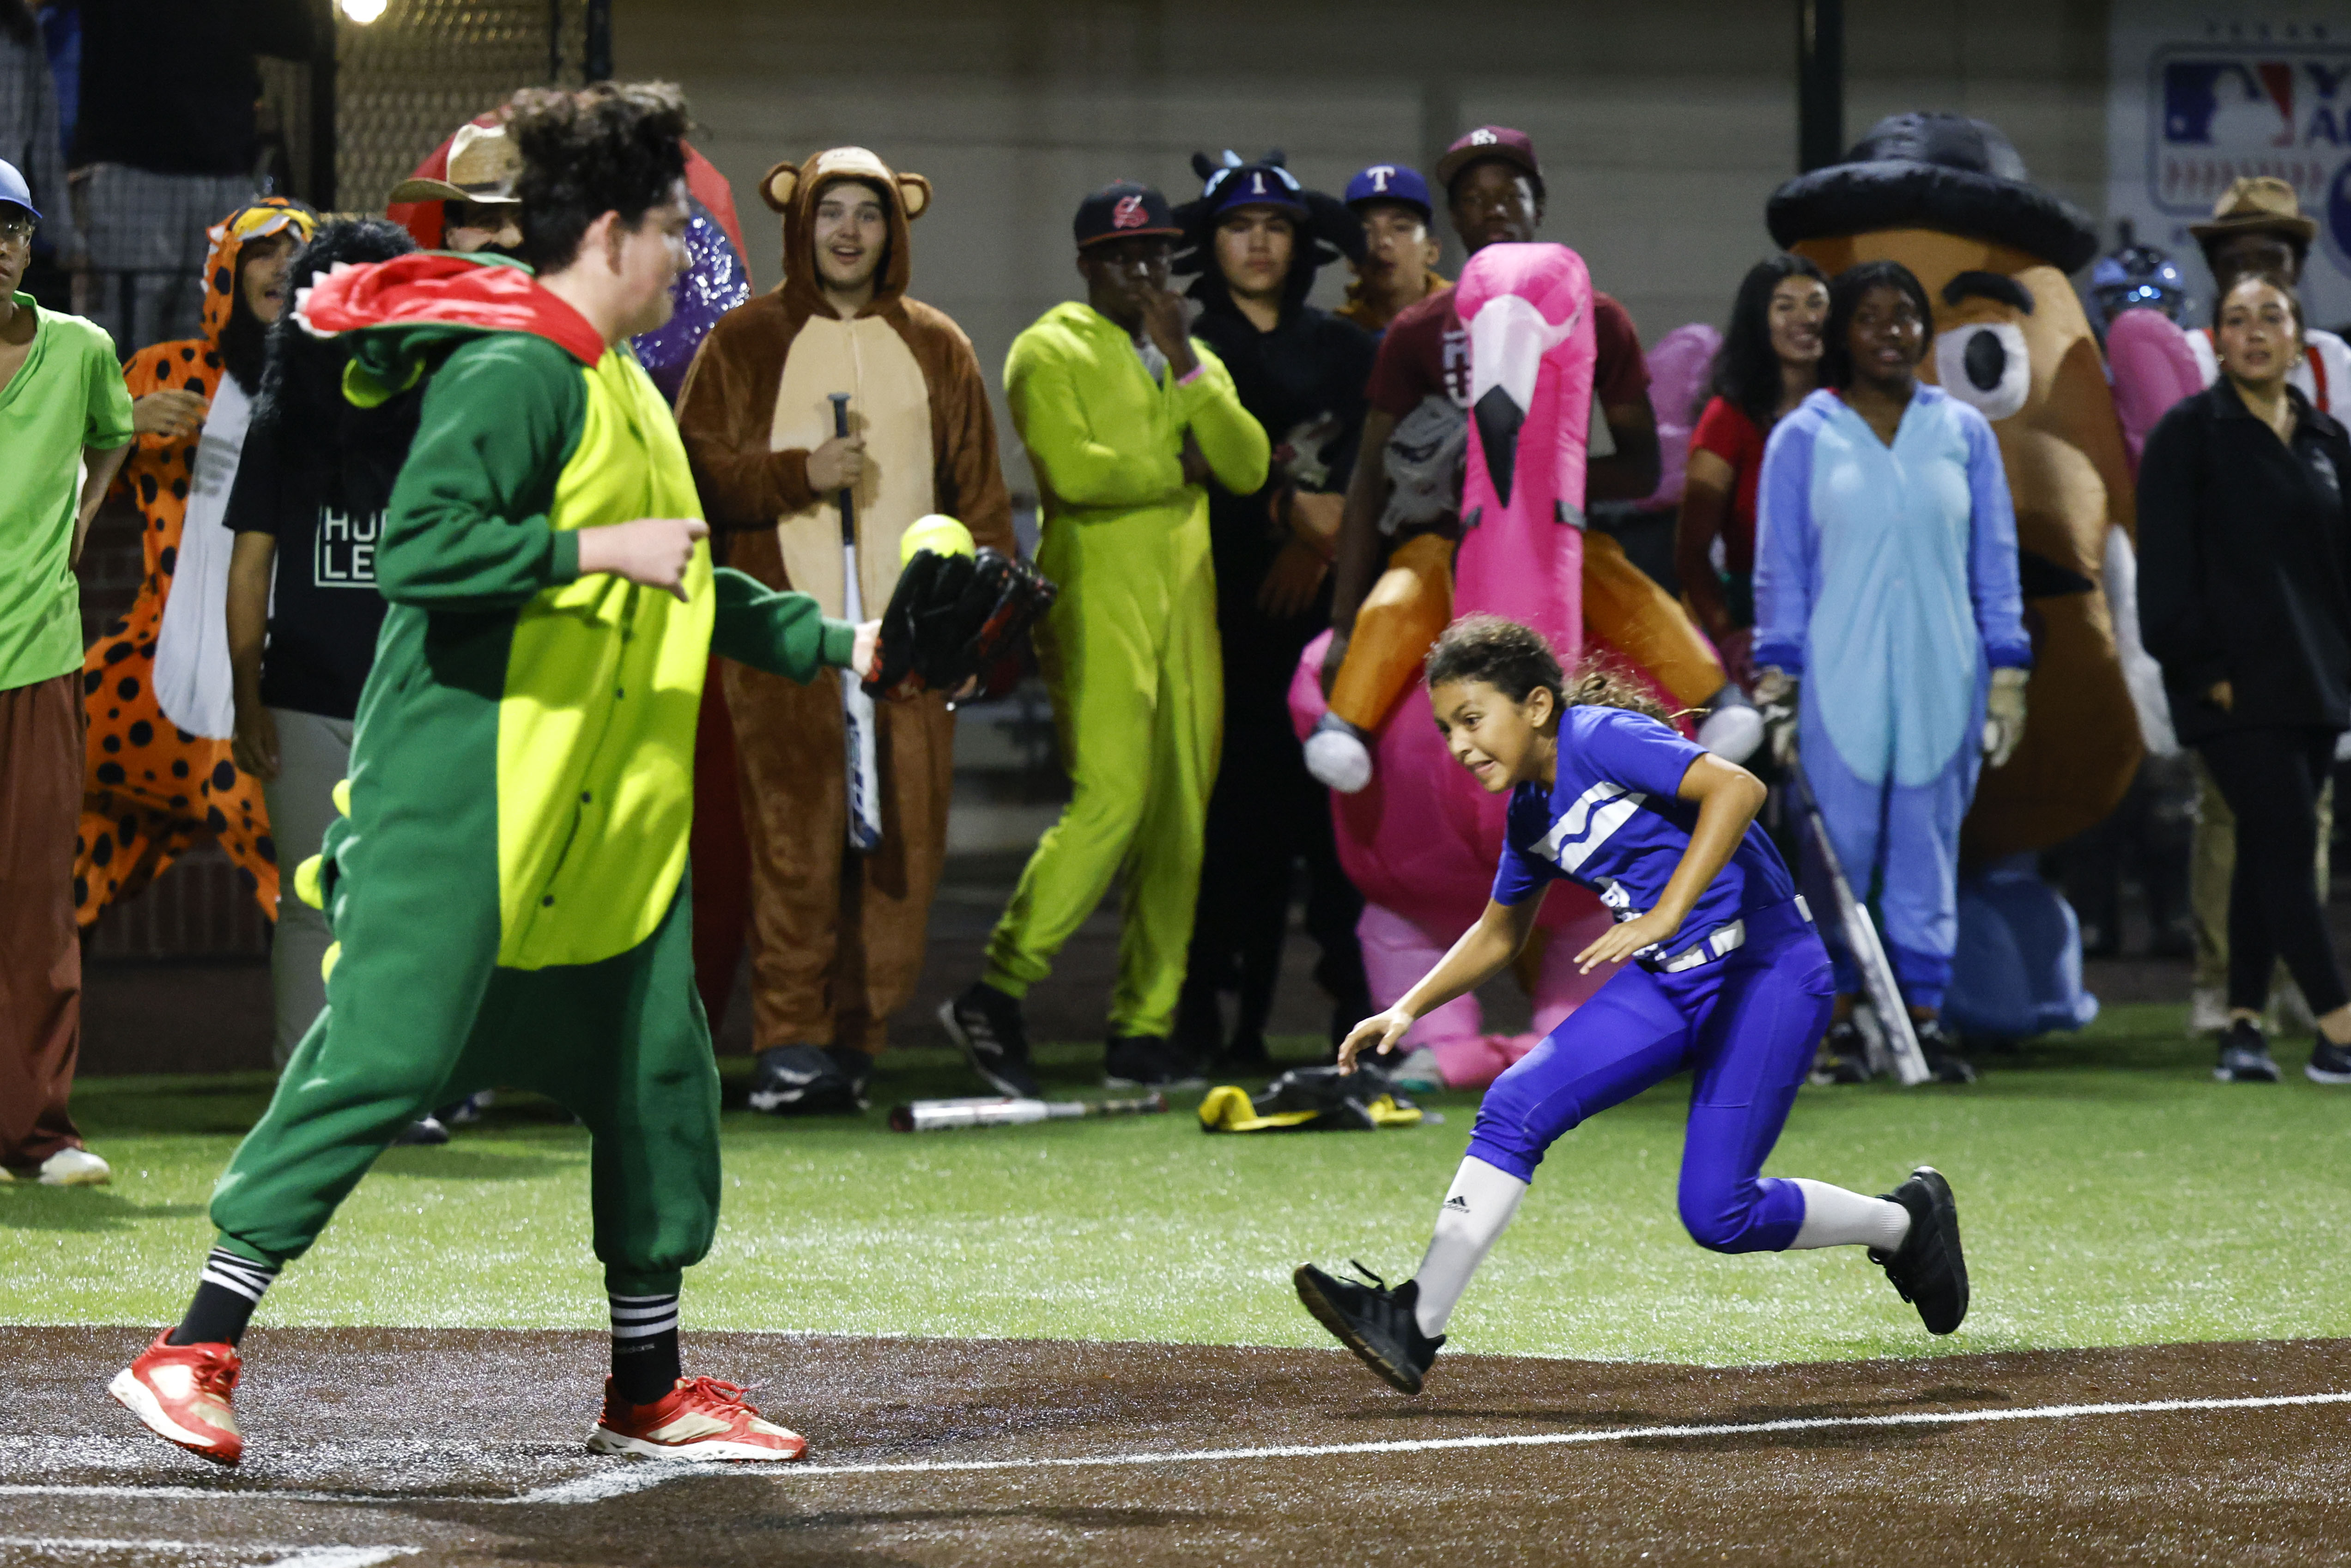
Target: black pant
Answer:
[[2271, 779]]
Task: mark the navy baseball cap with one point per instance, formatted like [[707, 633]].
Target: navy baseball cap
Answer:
[[1491, 143], [1397, 182], [1263, 183], [14, 189], [1121, 210]]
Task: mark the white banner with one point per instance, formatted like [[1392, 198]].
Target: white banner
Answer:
[[2201, 94]]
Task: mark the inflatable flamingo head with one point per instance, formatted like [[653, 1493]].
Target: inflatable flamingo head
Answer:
[[1528, 312]]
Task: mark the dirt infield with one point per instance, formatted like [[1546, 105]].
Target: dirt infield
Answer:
[[370, 1446]]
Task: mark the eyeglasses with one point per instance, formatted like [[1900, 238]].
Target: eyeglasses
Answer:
[[17, 231]]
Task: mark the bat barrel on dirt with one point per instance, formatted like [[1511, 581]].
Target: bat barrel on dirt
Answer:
[[939, 1116], [1868, 953], [856, 706]]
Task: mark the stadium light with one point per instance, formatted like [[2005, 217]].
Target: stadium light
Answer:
[[363, 11]]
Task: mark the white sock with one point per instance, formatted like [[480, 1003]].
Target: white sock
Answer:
[[1836, 1218], [1476, 1209]]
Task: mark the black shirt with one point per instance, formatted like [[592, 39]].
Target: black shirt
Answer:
[[2245, 565], [169, 85], [324, 610]]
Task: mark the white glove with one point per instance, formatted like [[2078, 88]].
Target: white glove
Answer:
[[2004, 715], [1775, 695]]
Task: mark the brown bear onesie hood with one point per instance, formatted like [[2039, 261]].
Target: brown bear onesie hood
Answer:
[[835, 953]]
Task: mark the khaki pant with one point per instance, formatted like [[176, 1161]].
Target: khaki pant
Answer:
[[2212, 861]]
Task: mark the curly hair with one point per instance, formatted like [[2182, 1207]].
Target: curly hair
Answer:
[[1847, 290], [301, 395], [1516, 660], [609, 148]]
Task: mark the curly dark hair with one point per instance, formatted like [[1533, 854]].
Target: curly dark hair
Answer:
[[609, 148], [1516, 660], [301, 395], [1846, 291], [1746, 372]]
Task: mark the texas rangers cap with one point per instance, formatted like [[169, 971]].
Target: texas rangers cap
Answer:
[[14, 189], [1123, 209], [1397, 182], [1497, 143]]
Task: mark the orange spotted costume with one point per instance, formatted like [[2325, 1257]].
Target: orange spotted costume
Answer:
[[153, 789]]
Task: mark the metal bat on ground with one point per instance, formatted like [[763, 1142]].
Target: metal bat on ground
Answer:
[[856, 708], [1877, 980], [939, 1116]]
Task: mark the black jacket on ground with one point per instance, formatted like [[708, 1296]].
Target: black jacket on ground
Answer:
[[2245, 565]]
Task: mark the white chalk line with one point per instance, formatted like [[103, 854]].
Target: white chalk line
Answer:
[[641, 1476], [280, 1556]]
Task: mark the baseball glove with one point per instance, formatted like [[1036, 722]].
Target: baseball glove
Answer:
[[954, 618]]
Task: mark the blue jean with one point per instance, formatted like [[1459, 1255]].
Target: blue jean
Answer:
[[1745, 1024]]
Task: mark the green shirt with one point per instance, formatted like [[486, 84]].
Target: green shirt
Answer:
[[68, 394]]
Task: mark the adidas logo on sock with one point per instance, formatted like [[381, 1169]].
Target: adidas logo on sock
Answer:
[[1457, 1203]]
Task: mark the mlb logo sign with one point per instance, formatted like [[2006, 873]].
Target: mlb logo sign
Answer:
[[2220, 115]]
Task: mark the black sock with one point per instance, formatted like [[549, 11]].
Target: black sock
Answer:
[[644, 1347], [230, 1287]]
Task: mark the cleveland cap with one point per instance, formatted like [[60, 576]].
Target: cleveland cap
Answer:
[[1397, 182], [14, 189], [1123, 209], [1497, 143]]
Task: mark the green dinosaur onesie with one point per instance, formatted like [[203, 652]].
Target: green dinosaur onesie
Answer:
[[508, 890]]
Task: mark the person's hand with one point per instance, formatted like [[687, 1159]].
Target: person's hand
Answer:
[[862, 653], [653, 553], [1382, 1032], [1737, 647], [2222, 696], [254, 747], [1314, 517], [837, 464], [1621, 941], [1291, 581], [1196, 463], [174, 415], [1775, 694], [1169, 325], [2003, 717], [1334, 656]]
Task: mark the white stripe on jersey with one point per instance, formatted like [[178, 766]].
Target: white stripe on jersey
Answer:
[[1604, 808]]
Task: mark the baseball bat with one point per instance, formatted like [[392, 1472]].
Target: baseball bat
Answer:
[[1877, 980], [856, 708], [938, 1115]]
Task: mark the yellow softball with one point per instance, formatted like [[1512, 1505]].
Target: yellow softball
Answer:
[[939, 534]]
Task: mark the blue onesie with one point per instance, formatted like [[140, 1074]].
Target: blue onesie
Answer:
[[1887, 578], [1739, 994]]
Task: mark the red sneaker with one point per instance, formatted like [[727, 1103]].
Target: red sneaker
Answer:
[[182, 1392], [701, 1418]]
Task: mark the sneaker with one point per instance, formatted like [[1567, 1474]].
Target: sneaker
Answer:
[[2207, 1010], [811, 1081], [2329, 1063], [424, 1130], [182, 1393], [1148, 1061], [988, 1028], [1929, 1270], [2245, 1056], [1336, 755], [1940, 1047], [1843, 1056], [75, 1168], [700, 1419], [463, 1113], [1373, 1321], [1420, 1072]]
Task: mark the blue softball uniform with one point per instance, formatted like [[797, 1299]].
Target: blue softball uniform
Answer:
[[1739, 995]]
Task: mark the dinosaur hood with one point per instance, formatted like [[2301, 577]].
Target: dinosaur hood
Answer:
[[408, 310]]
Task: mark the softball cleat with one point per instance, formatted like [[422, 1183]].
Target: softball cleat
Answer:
[[1371, 1320], [1929, 1270], [182, 1393], [700, 1419]]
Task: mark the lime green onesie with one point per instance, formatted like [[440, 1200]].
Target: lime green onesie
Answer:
[[507, 892], [1129, 650]]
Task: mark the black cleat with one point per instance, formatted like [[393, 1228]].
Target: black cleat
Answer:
[[2245, 1056], [1371, 1320], [1940, 1047], [1148, 1061], [1843, 1056], [988, 1028], [1929, 1270], [811, 1081], [2329, 1063]]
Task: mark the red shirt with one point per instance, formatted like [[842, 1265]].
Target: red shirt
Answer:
[[1427, 349], [1725, 430]]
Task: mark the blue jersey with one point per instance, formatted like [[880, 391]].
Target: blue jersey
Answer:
[[1615, 823]]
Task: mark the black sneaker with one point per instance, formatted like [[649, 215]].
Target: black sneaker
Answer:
[[2245, 1056], [1929, 1270], [811, 1081], [988, 1028], [1940, 1047], [1843, 1056], [2329, 1063], [1148, 1061], [1371, 1320]]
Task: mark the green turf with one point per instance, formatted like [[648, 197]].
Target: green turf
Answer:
[[2111, 1194]]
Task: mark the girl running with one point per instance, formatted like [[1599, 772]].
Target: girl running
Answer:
[[1726, 978]]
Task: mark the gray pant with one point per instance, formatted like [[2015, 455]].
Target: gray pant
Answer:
[[314, 755]]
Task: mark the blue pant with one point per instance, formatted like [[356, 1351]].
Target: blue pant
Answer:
[[1746, 1024]]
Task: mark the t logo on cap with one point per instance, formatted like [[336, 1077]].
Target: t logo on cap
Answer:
[[1381, 174]]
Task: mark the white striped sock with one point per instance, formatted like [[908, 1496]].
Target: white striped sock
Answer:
[[242, 1275], [642, 1317]]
